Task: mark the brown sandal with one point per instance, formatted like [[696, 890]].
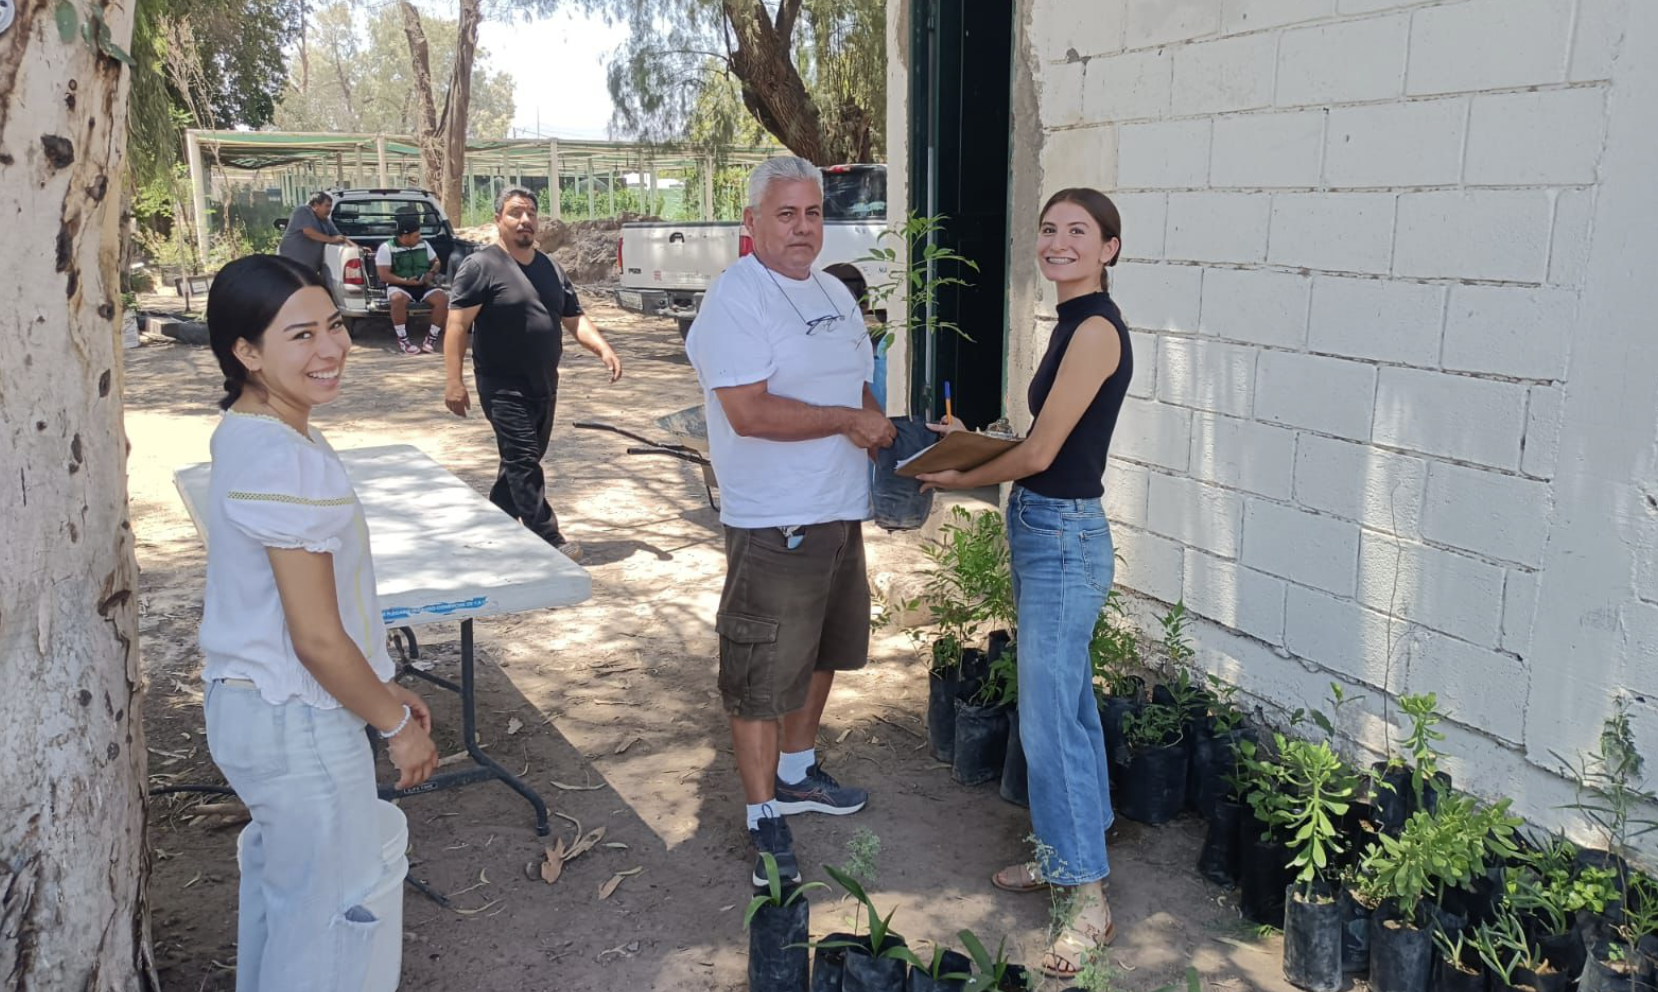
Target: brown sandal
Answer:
[[1019, 878], [1064, 966]]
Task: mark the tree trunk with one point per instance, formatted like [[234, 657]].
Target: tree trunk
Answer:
[[456, 104], [426, 120], [72, 857], [772, 88]]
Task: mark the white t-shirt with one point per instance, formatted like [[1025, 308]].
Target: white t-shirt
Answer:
[[272, 487], [752, 327]]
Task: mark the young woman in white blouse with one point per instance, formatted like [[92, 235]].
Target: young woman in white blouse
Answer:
[[295, 647]]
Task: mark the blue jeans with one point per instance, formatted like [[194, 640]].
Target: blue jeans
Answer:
[[1062, 568], [312, 853]]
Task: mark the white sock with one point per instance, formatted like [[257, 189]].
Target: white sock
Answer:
[[792, 766], [402, 330], [758, 812]]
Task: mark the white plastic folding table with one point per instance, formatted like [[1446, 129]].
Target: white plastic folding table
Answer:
[[442, 553]]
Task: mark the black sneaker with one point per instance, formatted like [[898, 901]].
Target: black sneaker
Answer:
[[772, 837], [819, 793]]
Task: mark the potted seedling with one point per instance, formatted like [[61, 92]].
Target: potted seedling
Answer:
[[1513, 960], [1263, 852], [877, 961], [1316, 790], [1611, 793], [1154, 783], [953, 598], [1115, 652], [779, 922], [947, 971], [1552, 891], [1004, 674], [1214, 750], [1458, 967], [993, 974], [1625, 957], [1404, 784]]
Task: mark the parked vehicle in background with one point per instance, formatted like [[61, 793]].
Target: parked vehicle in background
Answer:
[[369, 218], [667, 266]]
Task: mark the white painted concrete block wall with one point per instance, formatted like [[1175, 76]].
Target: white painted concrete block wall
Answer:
[[1359, 236]]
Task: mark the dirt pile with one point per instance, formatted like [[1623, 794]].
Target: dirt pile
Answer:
[[586, 249]]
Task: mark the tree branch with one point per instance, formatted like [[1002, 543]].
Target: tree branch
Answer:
[[788, 12]]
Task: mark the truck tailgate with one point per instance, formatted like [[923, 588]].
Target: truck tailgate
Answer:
[[676, 256]]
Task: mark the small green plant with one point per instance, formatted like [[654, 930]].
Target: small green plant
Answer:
[[1547, 882], [1177, 643], [933, 968], [863, 851], [1455, 947], [1438, 851], [1640, 914], [1611, 784], [989, 973], [1096, 972], [774, 895], [919, 278], [1504, 947], [1224, 714], [880, 928], [1001, 686], [1424, 757], [1154, 725], [969, 583]]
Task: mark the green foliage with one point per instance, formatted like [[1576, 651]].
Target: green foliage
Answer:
[[774, 894], [969, 583], [1114, 649], [1611, 786], [1154, 725], [678, 78], [988, 972], [879, 927], [1549, 883], [1177, 642], [863, 851], [1504, 947], [203, 63], [1001, 687], [1424, 757], [1436, 852], [362, 77], [1319, 790], [927, 267], [1223, 711]]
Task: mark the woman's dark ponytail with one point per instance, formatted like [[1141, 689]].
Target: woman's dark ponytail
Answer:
[[246, 296]]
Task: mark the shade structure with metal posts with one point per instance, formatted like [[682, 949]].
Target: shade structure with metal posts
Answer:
[[301, 162]]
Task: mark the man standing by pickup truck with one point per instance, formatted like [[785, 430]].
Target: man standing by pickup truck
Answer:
[[308, 230], [513, 299], [784, 361]]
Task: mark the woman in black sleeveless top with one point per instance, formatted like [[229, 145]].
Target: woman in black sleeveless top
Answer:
[[1062, 565]]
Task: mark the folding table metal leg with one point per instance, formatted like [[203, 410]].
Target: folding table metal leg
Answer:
[[487, 768]]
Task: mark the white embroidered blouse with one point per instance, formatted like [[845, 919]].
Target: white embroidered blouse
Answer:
[[272, 487]]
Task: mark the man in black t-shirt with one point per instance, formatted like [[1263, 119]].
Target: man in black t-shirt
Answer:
[[512, 299]]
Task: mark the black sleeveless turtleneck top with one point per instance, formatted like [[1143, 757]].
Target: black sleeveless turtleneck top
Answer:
[[1078, 471]]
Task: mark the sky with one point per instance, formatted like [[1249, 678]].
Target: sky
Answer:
[[557, 67]]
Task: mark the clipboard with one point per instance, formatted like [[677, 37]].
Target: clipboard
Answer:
[[961, 450]]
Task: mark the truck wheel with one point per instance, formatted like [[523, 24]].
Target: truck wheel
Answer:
[[684, 328]]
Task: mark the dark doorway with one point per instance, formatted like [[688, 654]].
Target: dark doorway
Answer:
[[960, 98]]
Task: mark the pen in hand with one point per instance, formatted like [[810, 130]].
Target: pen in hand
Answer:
[[947, 401]]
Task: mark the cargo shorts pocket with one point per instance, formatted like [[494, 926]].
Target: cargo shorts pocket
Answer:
[[748, 661]]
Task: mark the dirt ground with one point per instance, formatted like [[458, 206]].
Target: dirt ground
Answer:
[[610, 709]]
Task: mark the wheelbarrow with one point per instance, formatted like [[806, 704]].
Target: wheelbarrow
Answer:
[[690, 426]]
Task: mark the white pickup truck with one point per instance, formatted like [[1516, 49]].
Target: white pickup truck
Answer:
[[666, 266]]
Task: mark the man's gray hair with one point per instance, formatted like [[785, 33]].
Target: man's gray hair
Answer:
[[786, 169]]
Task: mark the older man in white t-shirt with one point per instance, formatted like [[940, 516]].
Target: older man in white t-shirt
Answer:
[[785, 361]]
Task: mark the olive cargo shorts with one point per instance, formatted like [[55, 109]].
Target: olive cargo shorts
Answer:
[[787, 612]]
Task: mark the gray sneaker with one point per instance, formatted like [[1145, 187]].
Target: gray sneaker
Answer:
[[772, 837], [818, 792], [570, 550]]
